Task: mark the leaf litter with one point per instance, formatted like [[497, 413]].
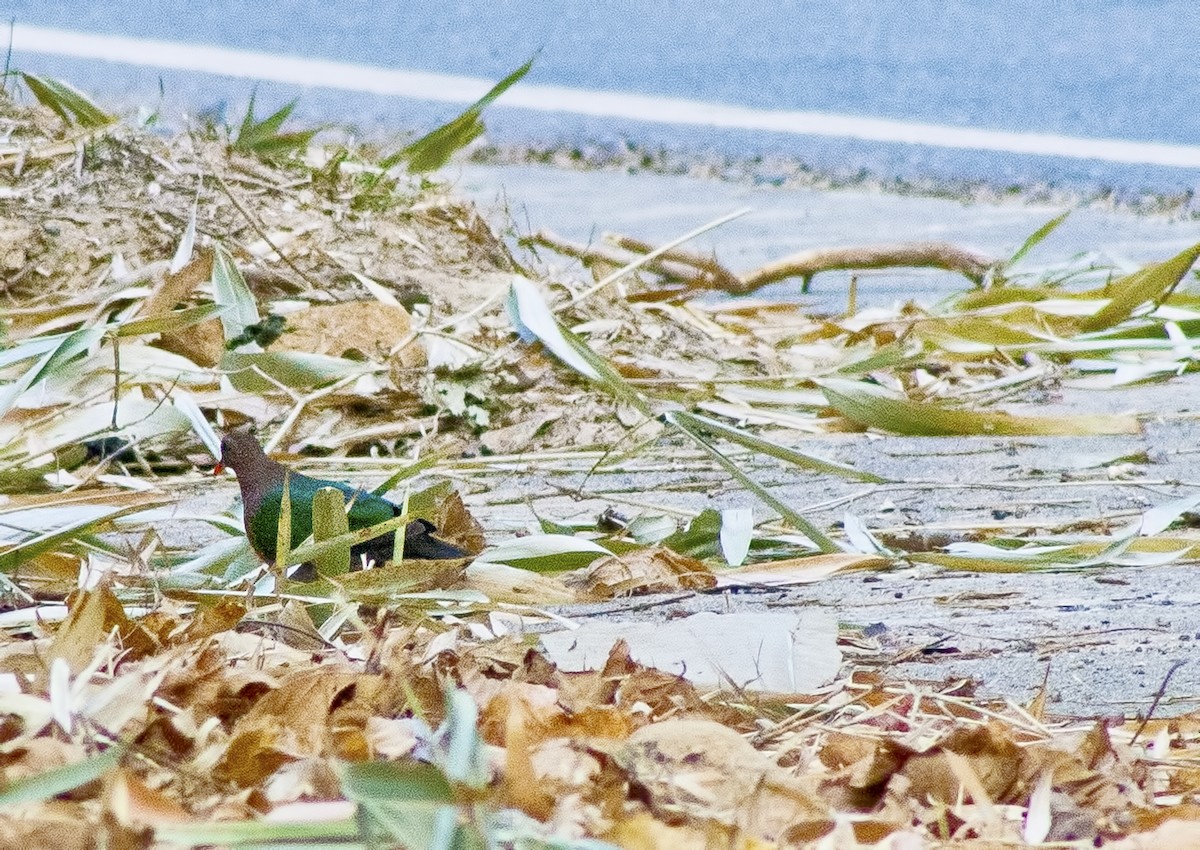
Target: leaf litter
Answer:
[[157, 692]]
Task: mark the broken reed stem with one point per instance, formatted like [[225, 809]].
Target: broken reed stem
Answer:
[[713, 274], [657, 252], [601, 254]]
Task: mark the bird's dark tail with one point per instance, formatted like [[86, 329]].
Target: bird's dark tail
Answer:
[[419, 542]]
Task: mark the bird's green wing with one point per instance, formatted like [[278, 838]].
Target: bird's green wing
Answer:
[[366, 510], [263, 527]]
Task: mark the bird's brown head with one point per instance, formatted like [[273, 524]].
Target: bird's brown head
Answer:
[[239, 450]]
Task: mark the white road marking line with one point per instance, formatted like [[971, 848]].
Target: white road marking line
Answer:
[[448, 88]]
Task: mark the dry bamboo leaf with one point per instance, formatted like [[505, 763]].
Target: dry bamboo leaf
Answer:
[[800, 570], [698, 771], [59, 824], [95, 615], [135, 805], [653, 570], [873, 406], [175, 288], [288, 723]]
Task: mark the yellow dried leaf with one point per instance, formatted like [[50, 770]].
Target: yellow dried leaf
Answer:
[[875, 407]]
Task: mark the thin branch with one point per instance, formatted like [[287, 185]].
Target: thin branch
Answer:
[[657, 252], [805, 264], [256, 227], [701, 272], [589, 254], [714, 275]]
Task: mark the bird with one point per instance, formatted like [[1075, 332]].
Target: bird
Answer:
[[261, 481]]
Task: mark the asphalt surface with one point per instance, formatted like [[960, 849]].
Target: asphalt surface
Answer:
[[1107, 69]]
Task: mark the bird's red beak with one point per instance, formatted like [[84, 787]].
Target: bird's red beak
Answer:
[[219, 468]]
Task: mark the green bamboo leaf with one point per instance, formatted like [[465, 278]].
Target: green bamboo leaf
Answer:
[[27, 349], [963, 563], [92, 521], [329, 521], [167, 322], [811, 531], [1151, 283], [295, 369], [777, 451], [434, 150], [701, 537], [1036, 237], [412, 470], [395, 780], [544, 553], [981, 299], [70, 104], [410, 803], [258, 834], [1117, 552], [969, 334], [283, 532], [68, 347], [264, 139], [60, 780], [873, 406], [533, 319], [186, 405], [215, 558], [310, 551], [231, 293]]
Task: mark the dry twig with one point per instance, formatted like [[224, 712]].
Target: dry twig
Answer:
[[805, 264], [700, 272]]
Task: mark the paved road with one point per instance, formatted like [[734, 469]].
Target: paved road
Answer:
[[1107, 69]]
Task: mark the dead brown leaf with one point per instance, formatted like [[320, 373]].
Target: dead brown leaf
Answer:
[[653, 570], [693, 771], [94, 616]]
